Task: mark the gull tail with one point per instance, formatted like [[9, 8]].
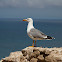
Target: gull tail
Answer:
[[49, 37]]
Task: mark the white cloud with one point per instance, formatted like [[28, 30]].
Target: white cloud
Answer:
[[30, 3]]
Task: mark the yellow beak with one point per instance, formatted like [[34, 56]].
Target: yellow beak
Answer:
[[24, 20]]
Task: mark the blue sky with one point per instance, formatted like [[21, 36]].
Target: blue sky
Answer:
[[44, 9]]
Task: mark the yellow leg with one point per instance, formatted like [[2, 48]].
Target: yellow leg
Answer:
[[32, 44]]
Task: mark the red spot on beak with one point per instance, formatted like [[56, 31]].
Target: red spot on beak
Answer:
[[24, 20]]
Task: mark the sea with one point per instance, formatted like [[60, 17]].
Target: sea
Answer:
[[13, 34]]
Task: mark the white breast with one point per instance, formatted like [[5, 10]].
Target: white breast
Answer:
[[30, 26]]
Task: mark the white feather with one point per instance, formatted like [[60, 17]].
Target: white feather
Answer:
[[30, 26]]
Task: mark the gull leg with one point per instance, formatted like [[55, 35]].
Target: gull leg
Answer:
[[35, 43], [32, 44]]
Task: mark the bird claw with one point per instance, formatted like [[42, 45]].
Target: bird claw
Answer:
[[31, 46]]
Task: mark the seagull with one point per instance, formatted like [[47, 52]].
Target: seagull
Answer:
[[34, 33]]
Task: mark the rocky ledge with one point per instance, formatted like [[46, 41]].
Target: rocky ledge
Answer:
[[35, 54]]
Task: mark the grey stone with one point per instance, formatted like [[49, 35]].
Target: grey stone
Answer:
[[34, 54], [33, 60], [24, 52], [41, 58]]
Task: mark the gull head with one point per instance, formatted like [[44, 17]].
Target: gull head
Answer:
[[28, 20]]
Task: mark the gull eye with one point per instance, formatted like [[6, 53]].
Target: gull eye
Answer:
[[27, 19]]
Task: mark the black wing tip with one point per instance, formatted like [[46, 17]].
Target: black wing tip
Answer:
[[49, 37]]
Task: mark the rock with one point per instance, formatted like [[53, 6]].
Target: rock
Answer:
[[14, 57], [54, 58], [27, 50], [48, 51], [35, 54], [0, 60], [24, 52], [32, 55], [25, 60], [33, 60], [55, 55], [41, 58]]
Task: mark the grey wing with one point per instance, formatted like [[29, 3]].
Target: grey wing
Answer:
[[37, 34]]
